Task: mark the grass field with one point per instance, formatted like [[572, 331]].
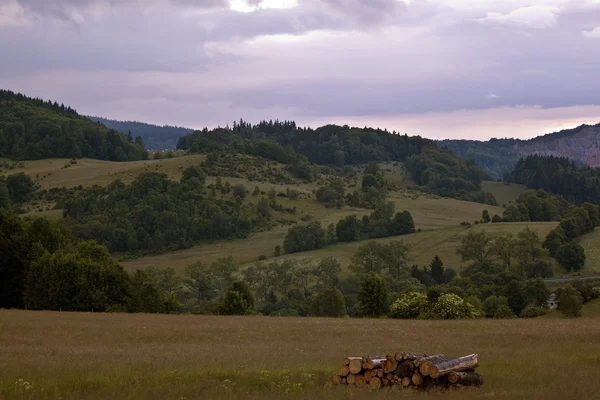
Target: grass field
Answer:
[[504, 193], [121, 356], [590, 243]]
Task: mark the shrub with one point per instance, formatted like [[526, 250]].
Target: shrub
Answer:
[[570, 302], [238, 300], [373, 297], [532, 311], [240, 191], [451, 306], [409, 305], [497, 307]]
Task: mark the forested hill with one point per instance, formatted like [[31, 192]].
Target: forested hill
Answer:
[[499, 156], [432, 168], [558, 176], [155, 137], [33, 129]]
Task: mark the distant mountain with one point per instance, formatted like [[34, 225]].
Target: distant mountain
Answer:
[[32, 129], [155, 137], [500, 156]]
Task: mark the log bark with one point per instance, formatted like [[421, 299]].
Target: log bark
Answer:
[[425, 363], [430, 383], [465, 378], [372, 363], [405, 369], [390, 364], [413, 356], [355, 366], [348, 359], [344, 370], [406, 381], [442, 368], [417, 379], [375, 383]]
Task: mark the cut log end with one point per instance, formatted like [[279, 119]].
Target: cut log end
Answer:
[[355, 366], [375, 383]]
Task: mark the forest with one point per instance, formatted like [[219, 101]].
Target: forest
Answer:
[[155, 137], [560, 176], [433, 169], [32, 129]]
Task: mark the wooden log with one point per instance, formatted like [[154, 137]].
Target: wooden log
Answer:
[[405, 369], [375, 383], [425, 363], [460, 364], [390, 364], [348, 359], [372, 363], [380, 373], [385, 382], [337, 380], [355, 366], [430, 383], [351, 379], [417, 379], [406, 381], [413, 356], [360, 380], [465, 378], [344, 370], [399, 356]]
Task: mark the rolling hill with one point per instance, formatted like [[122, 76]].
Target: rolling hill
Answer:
[[34, 129], [499, 156]]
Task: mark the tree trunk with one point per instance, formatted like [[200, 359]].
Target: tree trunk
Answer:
[[465, 378], [375, 383], [425, 363], [355, 366], [405, 369], [442, 368]]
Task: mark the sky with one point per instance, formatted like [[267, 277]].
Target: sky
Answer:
[[472, 69]]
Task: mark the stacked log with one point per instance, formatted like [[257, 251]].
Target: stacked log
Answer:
[[405, 370]]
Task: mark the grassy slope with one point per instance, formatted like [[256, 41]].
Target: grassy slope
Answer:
[[505, 193], [76, 356], [590, 243]]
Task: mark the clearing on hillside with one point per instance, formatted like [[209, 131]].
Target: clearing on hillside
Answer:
[[505, 193]]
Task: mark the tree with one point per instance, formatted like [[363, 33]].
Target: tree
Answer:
[[402, 224], [4, 196], [409, 306], [328, 271], [304, 238], [20, 187], [496, 218], [571, 256], [570, 302], [240, 191], [437, 270], [373, 297], [332, 194], [485, 216], [497, 307], [237, 300], [330, 235], [277, 251], [329, 303], [554, 240], [349, 229], [475, 247], [504, 247], [527, 246], [371, 257]]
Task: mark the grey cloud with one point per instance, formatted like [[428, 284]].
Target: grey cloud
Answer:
[[371, 11]]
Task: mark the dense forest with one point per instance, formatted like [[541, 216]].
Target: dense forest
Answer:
[[155, 137], [433, 169], [154, 213], [32, 129], [558, 176]]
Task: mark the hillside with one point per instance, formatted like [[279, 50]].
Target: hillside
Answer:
[[33, 129], [499, 156], [155, 137]]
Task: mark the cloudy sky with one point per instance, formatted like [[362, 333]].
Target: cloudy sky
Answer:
[[437, 68]]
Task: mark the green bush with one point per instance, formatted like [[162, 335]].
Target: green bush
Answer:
[[532, 311], [451, 306], [328, 303], [570, 302], [409, 305], [238, 300]]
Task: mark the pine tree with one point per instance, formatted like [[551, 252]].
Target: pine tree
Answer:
[[437, 270], [373, 297], [4, 196]]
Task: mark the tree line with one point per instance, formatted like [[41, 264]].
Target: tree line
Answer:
[[434, 169], [32, 129]]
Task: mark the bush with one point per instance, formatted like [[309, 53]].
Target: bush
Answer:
[[240, 191], [571, 256], [304, 238], [451, 306], [532, 311], [409, 305], [329, 303], [497, 307], [570, 302], [238, 300]]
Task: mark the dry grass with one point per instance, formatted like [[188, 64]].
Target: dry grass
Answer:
[[120, 356], [590, 242], [50, 173], [505, 193]]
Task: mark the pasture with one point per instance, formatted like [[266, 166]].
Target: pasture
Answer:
[[51, 355]]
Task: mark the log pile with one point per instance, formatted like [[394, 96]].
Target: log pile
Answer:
[[409, 371]]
